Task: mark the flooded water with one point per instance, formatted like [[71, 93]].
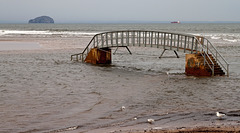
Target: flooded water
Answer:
[[43, 91]]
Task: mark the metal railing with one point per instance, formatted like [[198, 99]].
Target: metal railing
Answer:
[[210, 49], [166, 40]]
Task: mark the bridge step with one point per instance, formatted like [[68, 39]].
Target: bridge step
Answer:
[[217, 69], [195, 66]]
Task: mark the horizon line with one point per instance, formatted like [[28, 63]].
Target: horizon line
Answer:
[[124, 22]]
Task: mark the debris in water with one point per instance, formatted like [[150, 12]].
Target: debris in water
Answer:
[[150, 121]]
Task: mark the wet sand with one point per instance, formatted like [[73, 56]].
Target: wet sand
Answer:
[[229, 129], [43, 91]]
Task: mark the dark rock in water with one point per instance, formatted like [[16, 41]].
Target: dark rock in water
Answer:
[[42, 19]]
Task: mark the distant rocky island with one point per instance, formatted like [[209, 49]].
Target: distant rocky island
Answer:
[[42, 19]]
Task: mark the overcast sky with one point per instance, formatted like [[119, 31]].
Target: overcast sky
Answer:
[[77, 11]]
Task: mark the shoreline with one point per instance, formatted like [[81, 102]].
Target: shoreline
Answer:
[[216, 129]]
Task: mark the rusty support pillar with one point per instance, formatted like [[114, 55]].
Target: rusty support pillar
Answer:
[[99, 56], [195, 67]]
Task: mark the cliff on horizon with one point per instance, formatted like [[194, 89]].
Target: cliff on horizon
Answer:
[[42, 19]]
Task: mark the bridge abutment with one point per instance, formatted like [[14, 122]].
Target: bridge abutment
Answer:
[[195, 67], [99, 56]]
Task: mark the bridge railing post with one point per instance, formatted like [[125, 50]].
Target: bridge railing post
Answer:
[[192, 44]]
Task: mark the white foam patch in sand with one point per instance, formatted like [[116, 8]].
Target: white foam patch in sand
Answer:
[[15, 45]]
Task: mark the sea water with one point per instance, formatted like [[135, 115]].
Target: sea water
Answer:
[[43, 91]]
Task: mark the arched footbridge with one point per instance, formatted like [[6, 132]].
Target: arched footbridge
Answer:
[[202, 53]]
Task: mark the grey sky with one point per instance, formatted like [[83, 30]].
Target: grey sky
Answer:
[[75, 11]]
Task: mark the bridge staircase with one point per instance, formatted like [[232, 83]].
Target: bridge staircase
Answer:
[[217, 68], [200, 47]]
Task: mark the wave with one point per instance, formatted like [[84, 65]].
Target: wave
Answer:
[[48, 32], [223, 38]]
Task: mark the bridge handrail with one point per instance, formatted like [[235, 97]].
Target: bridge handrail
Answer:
[[86, 49], [212, 50], [168, 40], [204, 54]]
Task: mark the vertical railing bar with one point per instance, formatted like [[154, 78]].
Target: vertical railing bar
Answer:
[[155, 36], [171, 41], [107, 39], [196, 47], [168, 38], [133, 38], [102, 37], [207, 46], [178, 42], [216, 56], [145, 39], [136, 37], [94, 41], [185, 43], [140, 36], [127, 38], [192, 44], [174, 39], [121, 38], [181, 41], [158, 40], [97, 40], [149, 38], [164, 40], [111, 38], [116, 38]]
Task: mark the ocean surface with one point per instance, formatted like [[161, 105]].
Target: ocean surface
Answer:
[[41, 90]]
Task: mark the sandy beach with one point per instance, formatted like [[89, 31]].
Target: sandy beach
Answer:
[[42, 90]]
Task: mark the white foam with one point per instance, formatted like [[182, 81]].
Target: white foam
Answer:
[[34, 32], [215, 37], [230, 40]]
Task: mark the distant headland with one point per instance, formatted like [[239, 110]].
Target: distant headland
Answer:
[[41, 19]]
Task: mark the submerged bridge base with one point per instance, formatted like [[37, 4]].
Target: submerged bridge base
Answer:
[[194, 62], [99, 56], [195, 67]]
